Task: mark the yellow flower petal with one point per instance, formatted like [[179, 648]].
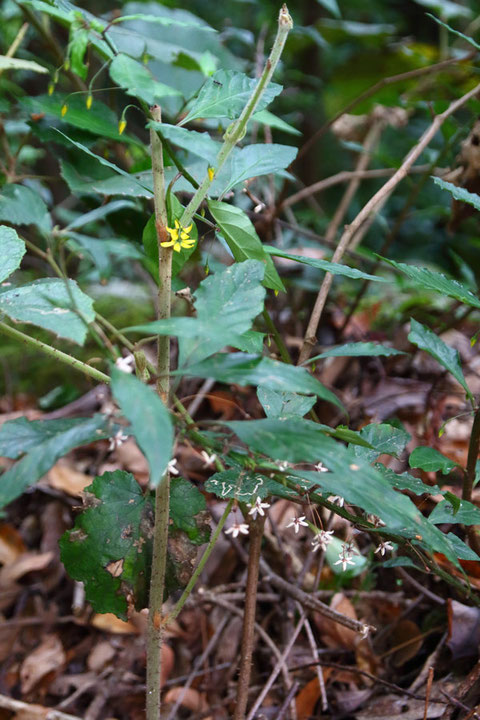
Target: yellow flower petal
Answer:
[[211, 173], [167, 243], [177, 224], [177, 247], [64, 110], [188, 229], [173, 234], [184, 235], [121, 126], [89, 101]]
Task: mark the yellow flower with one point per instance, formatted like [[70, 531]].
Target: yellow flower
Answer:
[[64, 109], [179, 237], [89, 101], [121, 126]]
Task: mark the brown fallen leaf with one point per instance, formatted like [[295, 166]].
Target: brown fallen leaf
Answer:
[[108, 622], [66, 478], [100, 656], [47, 657], [191, 698], [11, 544], [463, 629], [28, 562]]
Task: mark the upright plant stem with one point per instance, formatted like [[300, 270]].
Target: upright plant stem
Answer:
[[162, 493], [248, 630], [237, 130], [469, 478]]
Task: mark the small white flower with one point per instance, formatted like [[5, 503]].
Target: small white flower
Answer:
[[337, 500], [171, 467], [209, 459], [383, 547], [321, 540], [236, 529], [126, 364], [283, 465], [257, 507], [296, 522], [320, 467], [117, 440], [365, 631], [345, 557]]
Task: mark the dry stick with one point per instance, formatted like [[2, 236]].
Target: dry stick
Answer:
[[370, 143], [196, 665], [248, 629], [371, 207], [162, 492], [311, 602], [16, 43], [318, 664], [216, 600], [18, 706], [344, 176], [280, 662], [411, 74], [427, 693], [469, 477]]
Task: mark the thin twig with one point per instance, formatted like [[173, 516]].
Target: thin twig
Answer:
[[248, 629], [372, 206], [469, 477], [409, 75], [18, 706]]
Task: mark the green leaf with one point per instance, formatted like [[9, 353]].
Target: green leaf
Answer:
[[162, 20], [403, 561], [107, 163], [99, 120], [8, 63], [384, 438], [250, 342], [446, 8], [44, 443], [245, 486], [431, 460], [332, 555], [101, 250], [455, 32], [405, 481], [242, 239], [108, 549], [99, 213], [20, 436], [149, 418], [254, 161], [225, 94], [267, 118], [20, 205], [186, 504], [461, 549], [197, 143], [331, 6], [51, 305], [77, 48], [138, 81], [284, 404], [244, 369], [427, 340], [458, 193], [333, 268], [226, 303], [444, 512], [134, 185], [358, 349], [427, 279], [13, 250]]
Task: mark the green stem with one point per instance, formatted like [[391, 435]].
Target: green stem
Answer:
[[54, 353], [282, 348], [191, 584], [237, 130], [162, 492]]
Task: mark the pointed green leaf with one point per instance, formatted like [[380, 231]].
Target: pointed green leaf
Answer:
[[242, 239], [427, 279], [267, 118], [149, 418], [405, 481], [384, 438], [8, 63], [254, 161], [333, 268], [225, 94], [13, 250], [44, 443], [431, 460], [358, 349], [20, 205], [197, 143], [458, 193], [244, 369], [427, 340], [284, 404], [187, 506], [77, 48], [245, 486], [49, 304], [138, 81], [466, 514]]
